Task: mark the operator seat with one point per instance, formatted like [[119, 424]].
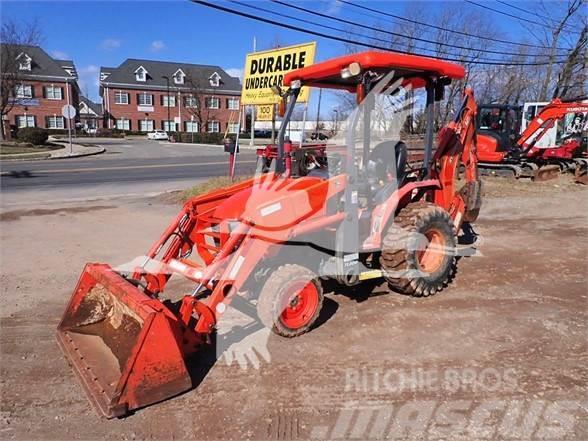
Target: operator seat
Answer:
[[385, 155]]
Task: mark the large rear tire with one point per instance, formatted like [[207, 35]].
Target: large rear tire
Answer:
[[290, 300], [418, 250]]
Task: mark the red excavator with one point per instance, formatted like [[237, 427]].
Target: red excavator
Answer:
[[363, 213], [501, 153]]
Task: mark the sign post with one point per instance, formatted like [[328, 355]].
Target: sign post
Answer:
[[69, 112]]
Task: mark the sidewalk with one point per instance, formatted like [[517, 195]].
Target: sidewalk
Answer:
[[77, 150]]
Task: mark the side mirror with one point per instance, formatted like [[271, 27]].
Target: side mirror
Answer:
[[282, 107]]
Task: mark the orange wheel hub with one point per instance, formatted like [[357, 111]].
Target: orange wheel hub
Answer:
[[299, 304], [431, 258]]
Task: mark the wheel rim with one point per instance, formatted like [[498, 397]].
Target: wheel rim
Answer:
[[431, 258], [299, 303]]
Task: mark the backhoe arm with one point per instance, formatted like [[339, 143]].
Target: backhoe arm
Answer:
[[545, 119], [457, 144]]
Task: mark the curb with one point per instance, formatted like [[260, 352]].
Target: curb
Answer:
[[48, 156]]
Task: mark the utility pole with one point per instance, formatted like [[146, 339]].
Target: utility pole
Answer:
[[318, 112]]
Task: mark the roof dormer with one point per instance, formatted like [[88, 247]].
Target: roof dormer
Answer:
[[215, 79], [24, 61], [141, 74], [179, 76]]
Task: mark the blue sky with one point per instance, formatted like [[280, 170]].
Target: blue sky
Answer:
[[105, 33]]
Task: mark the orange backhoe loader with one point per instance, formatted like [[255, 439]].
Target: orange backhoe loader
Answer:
[[363, 213], [500, 152]]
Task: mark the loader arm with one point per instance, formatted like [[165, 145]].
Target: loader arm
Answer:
[[545, 119], [457, 144]]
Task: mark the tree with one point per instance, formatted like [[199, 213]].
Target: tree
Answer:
[[572, 79], [14, 38], [573, 6], [197, 102]]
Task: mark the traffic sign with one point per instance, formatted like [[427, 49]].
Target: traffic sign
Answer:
[[68, 111]]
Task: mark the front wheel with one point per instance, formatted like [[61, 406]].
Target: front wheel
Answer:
[[290, 300], [418, 250]]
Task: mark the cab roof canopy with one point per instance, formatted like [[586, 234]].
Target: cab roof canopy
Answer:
[[414, 69]]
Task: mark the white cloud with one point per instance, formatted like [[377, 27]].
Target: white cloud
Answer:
[[334, 7], [88, 80], [157, 46], [235, 72], [110, 44], [60, 55]]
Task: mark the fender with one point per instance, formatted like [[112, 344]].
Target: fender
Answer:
[[384, 212]]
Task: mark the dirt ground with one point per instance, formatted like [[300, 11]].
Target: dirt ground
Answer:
[[510, 332]]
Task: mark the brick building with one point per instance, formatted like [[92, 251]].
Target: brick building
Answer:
[[42, 86], [91, 115], [201, 98]]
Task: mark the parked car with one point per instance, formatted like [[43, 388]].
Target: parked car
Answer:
[[158, 134]]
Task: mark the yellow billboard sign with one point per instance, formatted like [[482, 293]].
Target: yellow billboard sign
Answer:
[[266, 69], [264, 112]]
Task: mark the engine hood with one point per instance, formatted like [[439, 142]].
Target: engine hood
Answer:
[[276, 203]]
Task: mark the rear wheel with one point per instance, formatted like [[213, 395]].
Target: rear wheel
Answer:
[[418, 250], [290, 300]]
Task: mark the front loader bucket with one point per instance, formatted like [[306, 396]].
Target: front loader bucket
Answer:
[[547, 172], [124, 346]]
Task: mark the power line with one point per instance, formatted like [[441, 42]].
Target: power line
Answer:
[[505, 13], [435, 51], [395, 34], [543, 17], [466, 34], [346, 40]]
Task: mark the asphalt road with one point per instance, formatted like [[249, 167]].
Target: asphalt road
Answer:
[[128, 167]]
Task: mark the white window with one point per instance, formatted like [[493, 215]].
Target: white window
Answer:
[[53, 93], [121, 98], [24, 91], [213, 103], [215, 79], [24, 62], [213, 127], [141, 74], [146, 125], [192, 126], [233, 127], [171, 99], [145, 99], [190, 101], [169, 126], [179, 77], [233, 103], [25, 121], [123, 124], [55, 122]]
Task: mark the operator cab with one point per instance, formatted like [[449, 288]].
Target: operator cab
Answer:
[[395, 96], [501, 122]]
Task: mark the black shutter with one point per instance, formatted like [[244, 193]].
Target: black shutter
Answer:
[[61, 88], [45, 92], [138, 102], [161, 100]]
